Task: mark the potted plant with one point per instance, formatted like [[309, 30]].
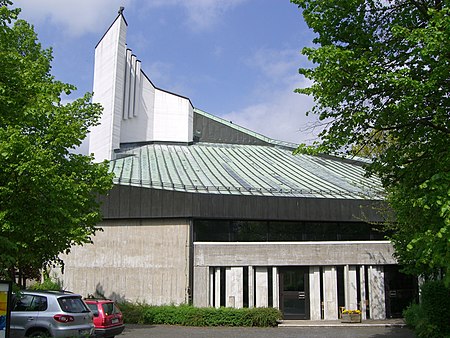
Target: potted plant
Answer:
[[351, 316]]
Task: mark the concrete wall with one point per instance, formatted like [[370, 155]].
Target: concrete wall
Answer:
[[262, 286], [314, 293], [293, 253], [234, 287], [330, 309], [141, 260], [263, 255], [376, 292]]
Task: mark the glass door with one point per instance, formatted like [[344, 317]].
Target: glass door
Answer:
[[294, 292]]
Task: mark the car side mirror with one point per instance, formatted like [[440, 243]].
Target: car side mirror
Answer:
[[95, 313]]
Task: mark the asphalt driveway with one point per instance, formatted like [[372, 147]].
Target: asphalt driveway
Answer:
[[163, 331]]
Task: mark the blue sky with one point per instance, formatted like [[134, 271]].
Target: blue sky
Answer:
[[237, 59]]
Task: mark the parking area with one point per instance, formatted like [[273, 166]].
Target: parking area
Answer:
[[163, 331]]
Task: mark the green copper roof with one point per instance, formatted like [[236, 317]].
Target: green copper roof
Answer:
[[242, 170]]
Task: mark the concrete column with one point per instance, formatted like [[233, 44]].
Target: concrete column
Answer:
[[211, 286], [217, 288], [276, 287], [201, 286], [251, 287], [314, 293], [376, 292], [351, 288], [234, 292], [362, 280], [262, 287], [330, 301]]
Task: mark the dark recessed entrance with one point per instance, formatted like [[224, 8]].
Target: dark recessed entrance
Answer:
[[401, 290], [294, 292]]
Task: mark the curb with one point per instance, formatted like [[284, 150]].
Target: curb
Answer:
[[338, 324]]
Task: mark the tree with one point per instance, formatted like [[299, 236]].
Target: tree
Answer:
[[381, 83], [48, 194]]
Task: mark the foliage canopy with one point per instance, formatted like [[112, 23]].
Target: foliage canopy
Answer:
[[381, 85], [47, 192]]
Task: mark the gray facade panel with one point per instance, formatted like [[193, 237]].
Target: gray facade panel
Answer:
[[207, 130], [123, 202], [294, 254]]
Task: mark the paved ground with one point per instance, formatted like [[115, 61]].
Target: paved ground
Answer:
[[338, 331], [337, 323]]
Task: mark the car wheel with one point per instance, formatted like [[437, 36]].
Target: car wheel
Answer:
[[39, 334]]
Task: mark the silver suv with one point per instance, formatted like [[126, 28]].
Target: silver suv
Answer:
[[50, 314]]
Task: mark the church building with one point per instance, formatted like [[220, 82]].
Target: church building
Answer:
[[209, 213]]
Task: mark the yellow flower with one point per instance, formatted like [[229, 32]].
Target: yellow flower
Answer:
[[352, 312]]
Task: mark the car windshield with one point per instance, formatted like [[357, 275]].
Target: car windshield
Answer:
[[72, 304]]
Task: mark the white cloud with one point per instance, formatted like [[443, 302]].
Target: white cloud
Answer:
[[276, 65], [74, 17], [281, 116], [277, 111], [201, 14]]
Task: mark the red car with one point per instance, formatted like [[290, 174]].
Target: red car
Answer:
[[108, 319]]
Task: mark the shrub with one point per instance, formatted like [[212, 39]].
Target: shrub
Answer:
[[431, 318], [436, 306], [48, 284], [132, 312], [187, 315]]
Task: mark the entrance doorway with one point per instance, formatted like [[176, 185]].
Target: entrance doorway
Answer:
[[401, 290], [294, 292]]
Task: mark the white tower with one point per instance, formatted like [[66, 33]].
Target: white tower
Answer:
[[135, 111]]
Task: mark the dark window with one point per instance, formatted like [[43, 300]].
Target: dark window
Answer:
[[109, 309], [30, 303], [270, 286], [285, 231], [93, 308], [274, 231], [340, 286], [222, 286], [39, 303], [72, 304], [23, 303], [317, 231], [243, 231], [245, 285], [212, 231]]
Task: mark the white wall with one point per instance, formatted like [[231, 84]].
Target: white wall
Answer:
[[139, 127], [109, 71], [173, 119]]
